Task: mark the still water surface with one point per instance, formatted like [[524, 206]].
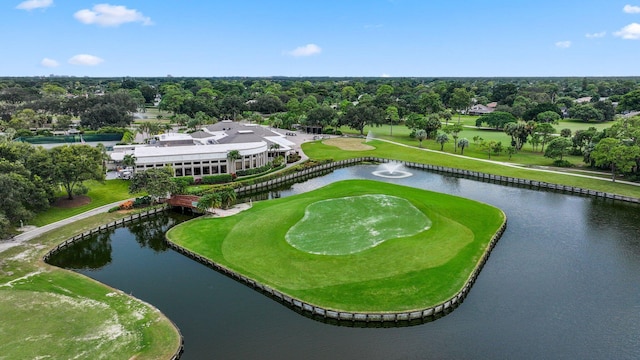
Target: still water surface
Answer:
[[562, 283]]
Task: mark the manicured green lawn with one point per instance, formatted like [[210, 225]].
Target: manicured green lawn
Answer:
[[318, 150], [412, 271], [104, 193], [526, 156], [575, 125], [364, 222], [50, 313]]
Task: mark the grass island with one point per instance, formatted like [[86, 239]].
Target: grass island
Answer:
[[357, 246]]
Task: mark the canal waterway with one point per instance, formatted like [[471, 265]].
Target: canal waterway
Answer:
[[562, 283]]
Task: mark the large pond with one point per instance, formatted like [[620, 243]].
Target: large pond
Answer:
[[562, 283]]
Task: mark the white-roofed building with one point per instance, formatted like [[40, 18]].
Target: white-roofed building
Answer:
[[205, 152]]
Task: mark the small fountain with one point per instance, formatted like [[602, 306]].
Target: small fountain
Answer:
[[369, 136], [392, 170]]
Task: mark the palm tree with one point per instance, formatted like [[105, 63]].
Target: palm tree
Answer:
[[255, 117], [232, 157], [144, 129], [442, 139], [463, 143], [129, 160], [446, 115], [421, 135], [209, 201], [105, 156], [276, 122], [227, 197]]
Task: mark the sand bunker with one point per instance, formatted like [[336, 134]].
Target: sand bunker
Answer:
[[349, 144]]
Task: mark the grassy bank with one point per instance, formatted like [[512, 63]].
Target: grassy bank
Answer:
[[49, 312], [414, 271], [101, 193], [318, 150]]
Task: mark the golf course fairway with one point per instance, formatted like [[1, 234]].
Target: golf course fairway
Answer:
[[356, 246]]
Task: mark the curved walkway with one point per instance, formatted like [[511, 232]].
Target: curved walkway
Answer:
[[298, 140], [518, 166], [32, 233]]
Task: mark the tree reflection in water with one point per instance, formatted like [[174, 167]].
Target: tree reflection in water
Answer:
[[150, 232], [94, 252], [89, 254]]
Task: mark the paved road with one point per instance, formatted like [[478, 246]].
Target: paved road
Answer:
[[28, 235]]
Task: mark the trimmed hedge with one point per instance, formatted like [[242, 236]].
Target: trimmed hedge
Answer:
[[217, 179], [184, 181], [254, 171]]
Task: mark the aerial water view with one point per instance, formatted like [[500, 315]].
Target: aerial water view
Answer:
[[366, 179]]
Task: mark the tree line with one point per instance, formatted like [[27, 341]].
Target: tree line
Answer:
[[526, 110]]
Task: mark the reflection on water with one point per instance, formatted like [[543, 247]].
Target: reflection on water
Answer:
[[89, 254], [563, 282], [95, 252]]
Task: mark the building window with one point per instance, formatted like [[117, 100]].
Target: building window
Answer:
[[178, 172]]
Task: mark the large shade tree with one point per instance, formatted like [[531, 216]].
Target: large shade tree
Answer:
[[103, 115], [357, 117], [460, 100], [558, 148], [75, 164], [519, 133], [496, 119], [157, 182], [616, 155], [22, 196], [321, 116]]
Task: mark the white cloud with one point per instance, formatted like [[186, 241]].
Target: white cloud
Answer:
[[563, 44], [111, 15], [50, 63], [631, 9], [629, 32], [596, 35], [307, 50], [85, 60], [385, 75], [34, 4]]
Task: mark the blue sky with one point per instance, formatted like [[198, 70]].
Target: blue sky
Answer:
[[398, 38]]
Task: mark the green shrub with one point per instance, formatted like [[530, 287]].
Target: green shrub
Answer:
[[258, 170], [291, 158], [562, 163], [183, 181], [142, 201]]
